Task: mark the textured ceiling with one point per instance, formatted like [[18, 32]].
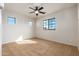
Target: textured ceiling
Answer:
[[23, 8]]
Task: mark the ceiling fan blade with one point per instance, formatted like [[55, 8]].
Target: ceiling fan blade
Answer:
[[36, 8], [31, 8], [41, 8], [42, 12]]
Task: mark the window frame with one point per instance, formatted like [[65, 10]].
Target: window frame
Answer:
[[50, 25], [11, 21]]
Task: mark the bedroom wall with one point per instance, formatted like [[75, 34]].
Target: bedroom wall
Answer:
[[21, 30], [0, 31], [66, 27], [1, 8], [78, 26]]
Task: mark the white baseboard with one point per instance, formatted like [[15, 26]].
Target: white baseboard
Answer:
[[59, 42], [7, 42]]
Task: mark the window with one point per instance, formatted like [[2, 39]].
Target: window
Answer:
[[11, 20], [30, 24], [49, 24], [45, 24]]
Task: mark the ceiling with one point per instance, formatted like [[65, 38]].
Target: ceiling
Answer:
[[23, 8]]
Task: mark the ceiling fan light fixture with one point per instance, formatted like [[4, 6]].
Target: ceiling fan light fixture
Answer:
[[36, 12]]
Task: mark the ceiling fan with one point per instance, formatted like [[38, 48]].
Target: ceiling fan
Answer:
[[37, 10]]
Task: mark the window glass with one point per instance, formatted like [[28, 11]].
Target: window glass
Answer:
[[49, 24], [11, 20]]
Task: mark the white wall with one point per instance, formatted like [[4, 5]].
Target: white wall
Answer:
[[0, 31], [34, 27], [66, 27], [1, 8], [17, 31], [78, 26]]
